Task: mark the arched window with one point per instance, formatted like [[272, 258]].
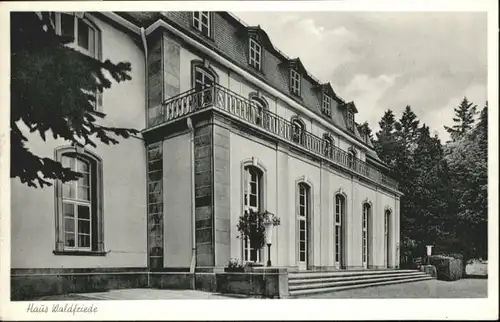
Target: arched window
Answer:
[[253, 199], [298, 130], [328, 145], [340, 204], [352, 157], [387, 217], [79, 203], [366, 233], [259, 105], [204, 78], [304, 207]]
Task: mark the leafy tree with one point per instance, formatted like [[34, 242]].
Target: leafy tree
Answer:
[[464, 119], [53, 93]]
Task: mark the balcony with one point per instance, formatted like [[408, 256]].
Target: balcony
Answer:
[[238, 107]]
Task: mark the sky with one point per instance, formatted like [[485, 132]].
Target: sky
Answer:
[[387, 60]]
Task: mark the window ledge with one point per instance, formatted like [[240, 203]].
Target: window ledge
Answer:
[[99, 113], [79, 253]]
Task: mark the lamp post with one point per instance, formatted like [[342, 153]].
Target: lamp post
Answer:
[[268, 224], [429, 253]]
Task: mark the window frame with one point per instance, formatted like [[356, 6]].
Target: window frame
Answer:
[[197, 22], [350, 121], [339, 218], [253, 53], [298, 135], [247, 167], [365, 254], [326, 106], [96, 242], [97, 52], [295, 82], [303, 218]]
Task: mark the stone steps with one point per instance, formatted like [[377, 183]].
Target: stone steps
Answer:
[[305, 283]]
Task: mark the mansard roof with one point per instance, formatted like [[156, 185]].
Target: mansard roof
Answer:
[[276, 64]]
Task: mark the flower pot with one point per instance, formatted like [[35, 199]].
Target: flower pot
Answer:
[[234, 269]]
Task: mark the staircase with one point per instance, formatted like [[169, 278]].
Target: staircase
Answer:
[[304, 283]]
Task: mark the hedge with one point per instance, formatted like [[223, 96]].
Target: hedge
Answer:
[[448, 268]]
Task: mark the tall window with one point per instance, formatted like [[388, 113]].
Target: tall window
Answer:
[[79, 204], [294, 82], [387, 236], [328, 145], [259, 105], [366, 236], [303, 217], [326, 107], [351, 158], [85, 38], [203, 79], [298, 130], [255, 54], [201, 21], [252, 200], [339, 233], [350, 120]]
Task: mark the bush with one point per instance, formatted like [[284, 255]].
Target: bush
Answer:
[[448, 268]]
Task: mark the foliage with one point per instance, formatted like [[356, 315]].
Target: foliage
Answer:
[[235, 263], [464, 119], [53, 92], [444, 187], [251, 226], [448, 268]]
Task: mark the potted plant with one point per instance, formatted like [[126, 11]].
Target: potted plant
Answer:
[[234, 265], [252, 227]]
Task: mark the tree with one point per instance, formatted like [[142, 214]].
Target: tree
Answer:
[[53, 92], [385, 145], [365, 128], [464, 119], [407, 131]]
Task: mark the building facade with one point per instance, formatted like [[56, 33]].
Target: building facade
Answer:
[[228, 123]]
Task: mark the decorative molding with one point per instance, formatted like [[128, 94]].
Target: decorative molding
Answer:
[[368, 201], [388, 208], [341, 191]]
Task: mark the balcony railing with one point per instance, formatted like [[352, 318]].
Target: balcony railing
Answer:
[[242, 108]]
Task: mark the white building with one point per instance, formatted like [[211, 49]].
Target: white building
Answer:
[[228, 122]]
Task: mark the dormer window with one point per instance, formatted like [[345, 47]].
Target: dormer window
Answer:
[[201, 21], [350, 120], [326, 107], [255, 54], [294, 82]]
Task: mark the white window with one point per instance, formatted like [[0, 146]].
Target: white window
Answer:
[[339, 216], [366, 213], [387, 236], [326, 107], [255, 54], [350, 120], [85, 37], [201, 21], [77, 206], [259, 106], [252, 200], [203, 78], [298, 130], [84, 33], [303, 216], [295, 82], [328, 145]]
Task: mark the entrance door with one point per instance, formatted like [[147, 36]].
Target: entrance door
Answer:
[[303, 225]]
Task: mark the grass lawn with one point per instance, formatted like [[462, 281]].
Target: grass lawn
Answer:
[[463, 288]]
